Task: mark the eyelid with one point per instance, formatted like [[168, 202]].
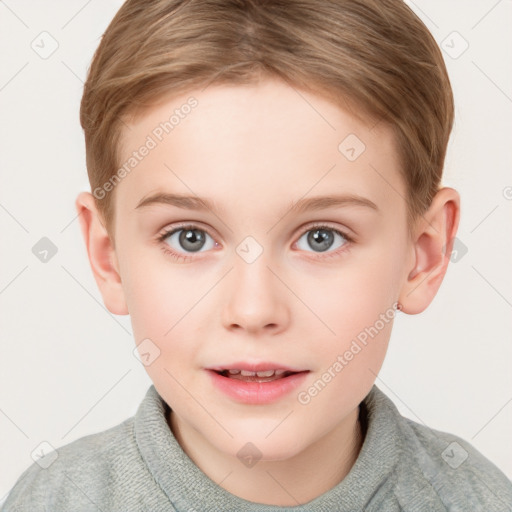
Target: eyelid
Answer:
[[344, 231], [301, 231], [184, 257], [168, 231]]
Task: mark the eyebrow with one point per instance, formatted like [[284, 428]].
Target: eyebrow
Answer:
[[300, 206]]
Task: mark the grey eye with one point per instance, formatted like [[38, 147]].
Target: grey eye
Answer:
[[321, 239], [188, 239]]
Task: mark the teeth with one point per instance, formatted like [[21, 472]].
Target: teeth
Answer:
[[266, 373], [246, 373], [261, 374]]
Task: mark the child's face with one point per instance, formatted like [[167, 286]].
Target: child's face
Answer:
[[253, 152]]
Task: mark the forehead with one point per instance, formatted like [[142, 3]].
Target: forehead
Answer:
[[236, 144]]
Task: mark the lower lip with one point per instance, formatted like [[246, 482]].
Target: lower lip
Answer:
[[257, 392]]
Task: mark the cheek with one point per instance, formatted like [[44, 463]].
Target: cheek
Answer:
[[356, 303], [161, 305], [156, 296], [152, 307], [347, 363], [352, 296], [166, 304]]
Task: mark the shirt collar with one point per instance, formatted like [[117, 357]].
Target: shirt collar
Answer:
[[188, 488]]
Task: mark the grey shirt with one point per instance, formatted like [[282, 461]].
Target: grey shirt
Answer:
[[138, 465]]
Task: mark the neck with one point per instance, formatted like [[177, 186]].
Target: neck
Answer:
[[289, 482]]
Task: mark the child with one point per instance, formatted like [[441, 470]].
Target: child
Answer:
[[257, 130]]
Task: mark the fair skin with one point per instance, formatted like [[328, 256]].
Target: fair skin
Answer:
[[254, 151]]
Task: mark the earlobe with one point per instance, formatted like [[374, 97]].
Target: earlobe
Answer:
[[101, 253], [432, 247]]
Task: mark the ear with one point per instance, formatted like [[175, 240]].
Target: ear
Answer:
[[101, 252], [432, 244]]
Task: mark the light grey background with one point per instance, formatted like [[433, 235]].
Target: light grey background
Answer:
[[67, 368]]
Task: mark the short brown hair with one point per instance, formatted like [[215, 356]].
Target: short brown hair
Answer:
[[374, 54]]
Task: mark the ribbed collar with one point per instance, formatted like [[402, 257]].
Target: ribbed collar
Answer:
[[188, 488]]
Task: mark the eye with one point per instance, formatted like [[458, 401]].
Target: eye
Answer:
[[322, 238], [180, 243], [189, 238]]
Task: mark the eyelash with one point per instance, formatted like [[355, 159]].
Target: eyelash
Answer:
[[185, 258]]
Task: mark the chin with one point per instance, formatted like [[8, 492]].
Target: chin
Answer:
[[274, 448]]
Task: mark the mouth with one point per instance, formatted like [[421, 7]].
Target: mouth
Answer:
[[256, 383], [259, 376]]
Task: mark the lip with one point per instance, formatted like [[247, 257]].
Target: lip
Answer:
[[254, 367], [255, 393]]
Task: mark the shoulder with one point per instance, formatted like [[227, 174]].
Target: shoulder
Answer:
[[80, 472], [430, 469], [458, 474]]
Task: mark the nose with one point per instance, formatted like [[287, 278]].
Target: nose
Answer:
[[256, 298]]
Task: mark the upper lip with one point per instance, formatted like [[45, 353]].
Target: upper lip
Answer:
[[254, 367]]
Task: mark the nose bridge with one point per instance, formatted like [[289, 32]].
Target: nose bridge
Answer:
[[255, 297]]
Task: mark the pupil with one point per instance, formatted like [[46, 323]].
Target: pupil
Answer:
[[190, 237], [322, 237]]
